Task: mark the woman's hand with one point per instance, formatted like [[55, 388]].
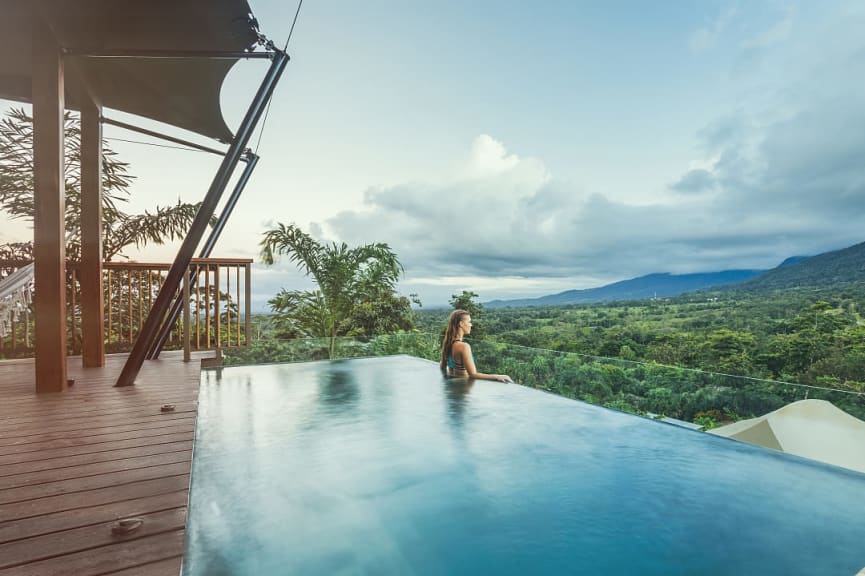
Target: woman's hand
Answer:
[[502, 378]]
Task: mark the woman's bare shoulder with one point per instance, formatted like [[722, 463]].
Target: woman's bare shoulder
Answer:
[[461, 345]]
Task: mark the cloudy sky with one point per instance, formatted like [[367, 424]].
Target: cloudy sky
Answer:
[[520, 149]]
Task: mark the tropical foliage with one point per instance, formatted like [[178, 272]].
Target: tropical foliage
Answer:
[[813, 338], [355, 294], [120, 229]]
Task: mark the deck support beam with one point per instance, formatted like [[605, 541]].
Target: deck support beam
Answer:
[[49, 238]]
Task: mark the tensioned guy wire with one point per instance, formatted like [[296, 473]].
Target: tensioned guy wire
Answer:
[[299, 4], [284, 48], [154, 144]]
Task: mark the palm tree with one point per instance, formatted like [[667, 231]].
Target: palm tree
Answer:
[[120, 229], [347, 279]]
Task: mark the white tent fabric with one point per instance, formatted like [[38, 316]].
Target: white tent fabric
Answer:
[[16, 291], [813, 429]]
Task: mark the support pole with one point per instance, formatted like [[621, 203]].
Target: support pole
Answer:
[[49, 238], [164, 330], [167, 293], [92, 315]]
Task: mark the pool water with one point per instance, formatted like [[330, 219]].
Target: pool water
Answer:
[[381, 466]]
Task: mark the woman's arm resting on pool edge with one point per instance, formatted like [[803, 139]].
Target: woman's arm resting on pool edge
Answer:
[[464, 350]]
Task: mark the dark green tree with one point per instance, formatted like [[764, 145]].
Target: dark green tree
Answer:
[[728, 351]]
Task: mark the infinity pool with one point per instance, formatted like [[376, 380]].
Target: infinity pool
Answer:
[[381, 466]]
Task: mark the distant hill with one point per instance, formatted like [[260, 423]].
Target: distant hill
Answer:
[[792, 260], [837, 267], [843, 266], [652, 285]]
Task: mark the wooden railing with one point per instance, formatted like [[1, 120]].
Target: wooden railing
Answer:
[[219, 306]]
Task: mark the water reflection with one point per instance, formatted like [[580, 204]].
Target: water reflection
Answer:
[[337, 388], [457, 395]]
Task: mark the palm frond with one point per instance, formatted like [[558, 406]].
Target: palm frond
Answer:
[[356, 286]]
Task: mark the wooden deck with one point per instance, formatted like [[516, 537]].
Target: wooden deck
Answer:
[[72, 464]]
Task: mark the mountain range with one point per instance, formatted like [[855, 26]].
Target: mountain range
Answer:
[[836, 267]]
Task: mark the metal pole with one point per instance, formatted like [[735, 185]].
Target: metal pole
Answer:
[[165, 329], [202, 218], [161, 136], [170, 54]]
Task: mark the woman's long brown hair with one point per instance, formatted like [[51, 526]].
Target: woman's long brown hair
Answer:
[[451, 335]]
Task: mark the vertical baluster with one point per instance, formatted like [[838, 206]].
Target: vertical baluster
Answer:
[[159, 282], [247, 303], [140, 301], [121, 314], [119, 295], [197, 307], [228, 305], [237, 303], [129, 305], [149, 289], [216, 315], [187, 334], [72, 306], [207, 306], [186, 352], [108, 303]]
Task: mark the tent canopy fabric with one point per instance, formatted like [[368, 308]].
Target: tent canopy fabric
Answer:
[[182, 92], [813, 429]]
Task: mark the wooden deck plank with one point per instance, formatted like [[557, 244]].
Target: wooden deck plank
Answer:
[[79, 517], [86, 424], [107, 559], [84, 449], [38, 416], [29, 550], [96, 440], [170, 566], [119, 478], [100, 469], [72, 463], [89, 498], [91, 448]]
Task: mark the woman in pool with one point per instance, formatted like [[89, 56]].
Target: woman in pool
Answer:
[[457, 359]]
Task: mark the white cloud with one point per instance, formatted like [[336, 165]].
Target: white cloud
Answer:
[[489, 157]]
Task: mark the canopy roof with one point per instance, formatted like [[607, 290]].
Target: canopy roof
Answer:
[[182, 92], [813, 429]]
